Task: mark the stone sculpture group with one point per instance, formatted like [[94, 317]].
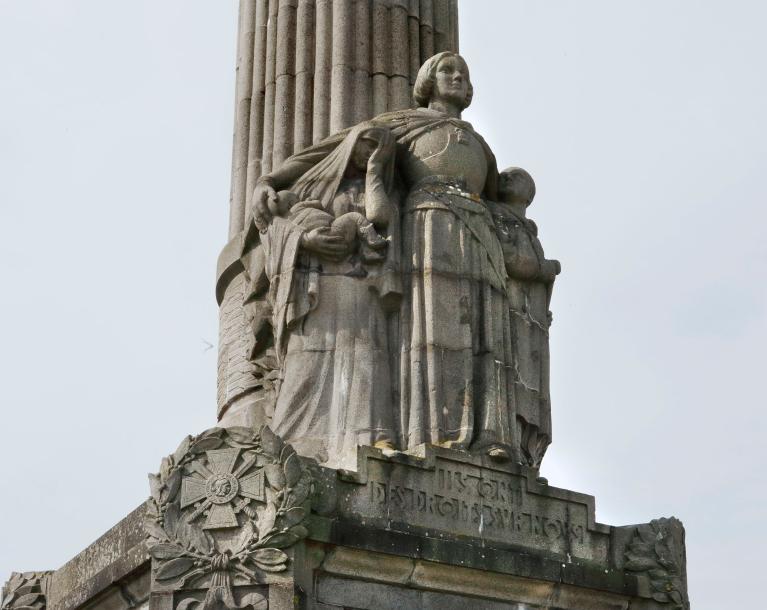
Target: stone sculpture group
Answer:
[[398, 294], [384, 362]]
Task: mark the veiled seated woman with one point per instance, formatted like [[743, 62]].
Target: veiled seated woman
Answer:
[[329, 287]]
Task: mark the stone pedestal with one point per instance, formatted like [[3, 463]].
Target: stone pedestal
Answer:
[[439, 530]]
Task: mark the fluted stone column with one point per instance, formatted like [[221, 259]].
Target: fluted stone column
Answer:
[[305, 69]]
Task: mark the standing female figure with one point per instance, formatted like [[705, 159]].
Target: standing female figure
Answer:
[[456, 384]]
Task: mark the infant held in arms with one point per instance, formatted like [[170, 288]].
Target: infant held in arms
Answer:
[[349, 225]]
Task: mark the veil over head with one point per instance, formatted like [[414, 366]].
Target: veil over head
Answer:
[[322, 181]]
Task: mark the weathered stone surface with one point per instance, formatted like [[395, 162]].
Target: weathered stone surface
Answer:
[[451, 494], [363, 550], [107, 562], [349, 62], [428, 515], [360, 564], [529, 286], [225, 508], [351, 578], [656, 553], [412, 339], [390, 293], [25, 590], [458, 359], [129, 593]]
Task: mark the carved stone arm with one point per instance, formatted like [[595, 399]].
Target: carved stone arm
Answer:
[[378, 208], [264, 201], [550, 269], [522, 267], [377, 204]]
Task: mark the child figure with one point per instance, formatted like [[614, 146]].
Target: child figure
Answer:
[[529, 286]]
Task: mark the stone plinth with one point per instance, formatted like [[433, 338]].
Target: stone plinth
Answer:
[[438, 531]]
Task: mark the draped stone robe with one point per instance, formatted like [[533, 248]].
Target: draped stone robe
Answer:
[[455, 385], [455, 382], [529, 286], [330, 321]]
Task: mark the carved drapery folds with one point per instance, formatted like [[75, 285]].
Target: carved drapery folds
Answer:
[[308, 68], [305, 69], [316, 67], [426, 319], [225, 507]]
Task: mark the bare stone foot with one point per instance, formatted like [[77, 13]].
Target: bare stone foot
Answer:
[[498, 454], [386, 446], [370, 237], [369, 255]]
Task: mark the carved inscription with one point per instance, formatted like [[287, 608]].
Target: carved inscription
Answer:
[[481, 503]]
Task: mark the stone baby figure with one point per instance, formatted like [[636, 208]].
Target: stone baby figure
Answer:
[[344, 220], [529, 286]]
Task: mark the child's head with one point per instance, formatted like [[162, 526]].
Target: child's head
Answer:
[[285, 201], [516, 186], [347, 227]]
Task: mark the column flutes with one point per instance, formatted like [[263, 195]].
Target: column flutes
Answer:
[[305, 69], [413, 34], [322, 58], [426, 20], [243, 92], [399, 77], [256, 141], [441, 25], [362, 46], [341, 90], [381, 56], [284, 90], [453, 25], [302, 126]]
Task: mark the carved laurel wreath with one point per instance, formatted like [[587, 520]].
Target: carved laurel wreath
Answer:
[[221, 473], [24, 591], [656, 551]]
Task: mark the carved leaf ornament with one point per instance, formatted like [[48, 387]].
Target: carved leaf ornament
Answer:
[[657, 551], [225, 504], [24, 592]]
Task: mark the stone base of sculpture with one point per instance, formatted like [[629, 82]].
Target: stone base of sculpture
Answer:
[[238, 520]]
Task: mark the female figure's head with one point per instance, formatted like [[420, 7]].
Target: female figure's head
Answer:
[[364, 148], [443, 80]]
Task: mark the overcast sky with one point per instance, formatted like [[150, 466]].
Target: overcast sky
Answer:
[[643, 123]]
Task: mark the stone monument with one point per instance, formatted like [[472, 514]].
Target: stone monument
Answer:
[[383, 393]]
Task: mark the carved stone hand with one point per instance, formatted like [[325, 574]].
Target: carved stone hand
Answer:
[[550, 269], [265, 203], [321, 242]]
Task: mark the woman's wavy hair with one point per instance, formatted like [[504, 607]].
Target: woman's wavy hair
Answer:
[[427, 75]]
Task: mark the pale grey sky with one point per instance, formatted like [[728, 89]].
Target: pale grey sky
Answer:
[[644, 125]]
